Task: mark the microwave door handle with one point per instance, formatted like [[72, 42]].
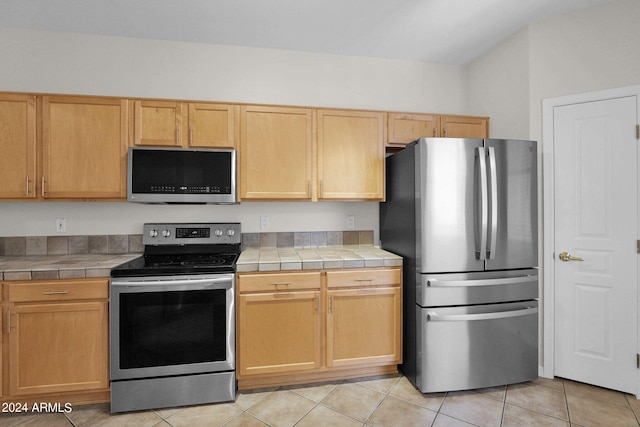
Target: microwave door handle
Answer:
[[482, 210], [494, 203]]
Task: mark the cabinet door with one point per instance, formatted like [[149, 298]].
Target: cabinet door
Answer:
[[84, 147], [278, 332], [276, 148], [351, 155], [58, 347], [18, 146], [212, 125], [364, 326], [405, 128], [464, 127], [157, 123]]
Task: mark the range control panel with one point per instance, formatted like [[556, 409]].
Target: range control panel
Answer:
[[192, 234]]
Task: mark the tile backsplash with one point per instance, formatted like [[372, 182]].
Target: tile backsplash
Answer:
[[132, 243], [313, 239], [69, 245]]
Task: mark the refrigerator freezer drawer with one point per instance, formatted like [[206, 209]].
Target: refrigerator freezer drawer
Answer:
[[462, 348], [437, 290]]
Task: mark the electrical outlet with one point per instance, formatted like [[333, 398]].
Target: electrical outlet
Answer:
[[61, 225], [351, 222], [264, 223]]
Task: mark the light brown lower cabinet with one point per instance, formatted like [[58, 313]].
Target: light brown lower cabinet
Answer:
[[364, 326], [311, 326], [280, 332], [57, 337]]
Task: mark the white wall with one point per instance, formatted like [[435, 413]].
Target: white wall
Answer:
[[592, 49], [589, 50], [97, 65], [498, 85]]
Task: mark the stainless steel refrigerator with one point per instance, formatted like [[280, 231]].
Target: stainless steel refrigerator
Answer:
[[463, 214]]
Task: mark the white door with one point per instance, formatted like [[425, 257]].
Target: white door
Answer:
[[596, 195]]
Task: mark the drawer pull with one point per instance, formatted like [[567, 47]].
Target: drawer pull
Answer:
[[55, 292], [364, 280], [276, 284]]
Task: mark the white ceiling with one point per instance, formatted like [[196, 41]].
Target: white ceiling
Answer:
[[443, 31]]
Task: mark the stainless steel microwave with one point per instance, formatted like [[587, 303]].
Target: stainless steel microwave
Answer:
[[166, 175]]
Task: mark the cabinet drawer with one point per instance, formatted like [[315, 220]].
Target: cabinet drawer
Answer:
[[278, 282], [353, 278], [59, 290]]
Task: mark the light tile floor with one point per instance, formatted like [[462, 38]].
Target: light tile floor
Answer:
[[377, 401]]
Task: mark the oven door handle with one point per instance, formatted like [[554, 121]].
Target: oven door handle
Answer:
[[177, 282]]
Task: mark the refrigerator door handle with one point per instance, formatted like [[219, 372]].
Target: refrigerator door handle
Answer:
[[491, 254], [482, 282], [484, 204], [433, 316]]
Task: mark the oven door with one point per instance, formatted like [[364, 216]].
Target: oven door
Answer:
[[172, 325]]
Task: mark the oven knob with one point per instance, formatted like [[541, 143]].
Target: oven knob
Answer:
[[231, 232], [218, 232], [153, 233], [166, 233]]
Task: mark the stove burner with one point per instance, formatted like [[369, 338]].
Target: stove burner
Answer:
[[205, 260]]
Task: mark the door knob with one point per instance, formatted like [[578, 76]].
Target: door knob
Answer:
[[564, 256]]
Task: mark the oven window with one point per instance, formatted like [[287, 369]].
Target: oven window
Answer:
[[172, 328]]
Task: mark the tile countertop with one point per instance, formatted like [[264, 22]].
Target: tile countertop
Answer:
[[330, 257], [49, 267]]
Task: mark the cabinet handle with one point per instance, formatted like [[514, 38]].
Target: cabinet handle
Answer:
[[177, 135], [283, 295], [190, 135], [368, 291], [309, 188], [364, 280], [317, 304], [276, 284], [8, 321], [55, 292], [321, 189], [42, 187], [27, 185], [330, 303]]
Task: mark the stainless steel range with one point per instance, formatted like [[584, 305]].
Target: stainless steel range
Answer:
[[172, 318]]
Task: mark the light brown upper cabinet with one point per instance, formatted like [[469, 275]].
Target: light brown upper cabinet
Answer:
[[18, 146], [84, 147], [276, 152], [212, 125], [158, 123], [464, 127], [351, 155], [404, 128]]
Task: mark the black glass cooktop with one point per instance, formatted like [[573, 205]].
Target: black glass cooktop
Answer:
[[177, 264]]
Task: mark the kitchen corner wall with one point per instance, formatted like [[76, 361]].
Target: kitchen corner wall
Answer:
[[66, 63]]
